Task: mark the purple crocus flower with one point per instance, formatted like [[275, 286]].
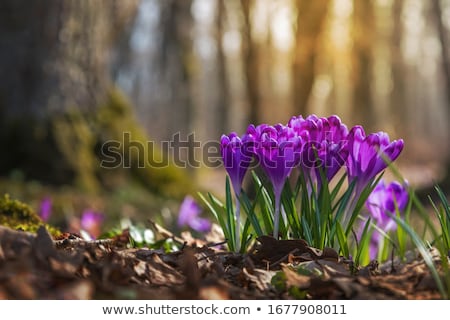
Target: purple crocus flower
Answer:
[[385, 200], [45, 209], [310, 130], [189, 215], [369, 155], [278, 151], [333, 150], [326, 147], [237, 157], [91, 222]]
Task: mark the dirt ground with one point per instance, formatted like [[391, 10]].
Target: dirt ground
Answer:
[[39, 267]]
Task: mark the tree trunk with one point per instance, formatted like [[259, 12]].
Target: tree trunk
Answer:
[[251, 67], [397, 99], [222, 79], [443, 38], [363, 28], [175, 63], [57, 101], [57, 54], [310, 18]]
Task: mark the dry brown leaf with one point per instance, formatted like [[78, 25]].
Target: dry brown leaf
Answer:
[[275, 251], [163, 274], [260, 278], [213, 293], [293, 279]]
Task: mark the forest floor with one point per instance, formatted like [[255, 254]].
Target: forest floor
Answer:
[[35, 266]]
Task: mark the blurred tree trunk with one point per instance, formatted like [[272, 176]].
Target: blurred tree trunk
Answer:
[[443, 38], [174, 63], [310, 18], [397, 99], [250, 61], [363, 29], [57, 53], [223, 88], [56, 61]]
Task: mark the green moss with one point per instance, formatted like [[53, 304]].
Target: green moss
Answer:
[[114, 119], [76, 141], [17, 215], [80, 137]]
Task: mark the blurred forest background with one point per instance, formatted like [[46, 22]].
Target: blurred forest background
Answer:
[[78, 73]]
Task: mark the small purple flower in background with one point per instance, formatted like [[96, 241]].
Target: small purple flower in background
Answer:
[[189, 215], [385, 200], [91, 222], [278, 151], [369, 155], [45, 210]]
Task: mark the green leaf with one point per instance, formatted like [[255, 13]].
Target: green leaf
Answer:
[[338, 187], [361, 201], [265, 203], [343, 201], [231, 223], [363, 246], [246, 236], [443, 223], [307, 234], [444, 219], [423, 252], [218, 211], [249, 209], [342, 239], [288, 203], [325, 211]]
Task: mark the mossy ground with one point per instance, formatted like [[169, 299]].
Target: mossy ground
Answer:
[[20, 216], [133, 202]]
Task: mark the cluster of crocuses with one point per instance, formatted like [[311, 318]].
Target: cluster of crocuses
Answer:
[[319, 147]]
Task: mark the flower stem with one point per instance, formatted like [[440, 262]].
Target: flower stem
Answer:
[[276, 219], [351, 206], [238, 225]]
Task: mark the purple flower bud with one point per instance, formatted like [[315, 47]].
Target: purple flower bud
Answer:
[[326, 147], [189, 215], [383, 200], [91, 222], [278, 151], [237, 157], [45, 209], [333, 149], [369, 155]]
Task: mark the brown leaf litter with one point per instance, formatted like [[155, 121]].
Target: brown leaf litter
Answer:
[[35, 266]]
